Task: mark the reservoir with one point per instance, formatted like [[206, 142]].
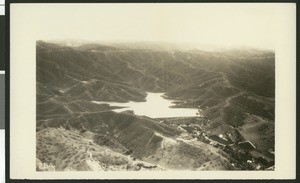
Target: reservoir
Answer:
[[155, 106]]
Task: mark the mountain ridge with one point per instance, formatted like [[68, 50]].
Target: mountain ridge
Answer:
[[227, 86]]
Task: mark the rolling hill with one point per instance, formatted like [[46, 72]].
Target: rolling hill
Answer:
[[234, 88]]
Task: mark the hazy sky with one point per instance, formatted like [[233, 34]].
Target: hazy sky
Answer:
[[221, 24]]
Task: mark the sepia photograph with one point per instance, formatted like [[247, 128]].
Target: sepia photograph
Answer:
[[153, 87], [156, 100]]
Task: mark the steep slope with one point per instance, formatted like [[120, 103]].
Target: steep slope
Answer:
[[70, 151]]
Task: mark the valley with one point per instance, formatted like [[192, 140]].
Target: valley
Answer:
[[233, 89]]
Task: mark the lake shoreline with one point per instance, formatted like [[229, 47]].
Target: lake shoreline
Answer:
[[156, 105]]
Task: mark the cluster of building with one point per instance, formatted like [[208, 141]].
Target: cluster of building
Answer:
[[244, 153]]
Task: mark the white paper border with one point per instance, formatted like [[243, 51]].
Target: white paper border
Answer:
[[22, 107]]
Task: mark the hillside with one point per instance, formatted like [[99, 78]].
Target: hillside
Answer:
[[234, 88], [69, 150]]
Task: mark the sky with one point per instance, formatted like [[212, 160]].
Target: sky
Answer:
[[198, 24]]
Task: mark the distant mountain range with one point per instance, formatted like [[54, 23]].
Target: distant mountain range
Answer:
[[235, 88]]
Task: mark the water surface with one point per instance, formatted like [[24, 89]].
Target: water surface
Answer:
[[155, 106]]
